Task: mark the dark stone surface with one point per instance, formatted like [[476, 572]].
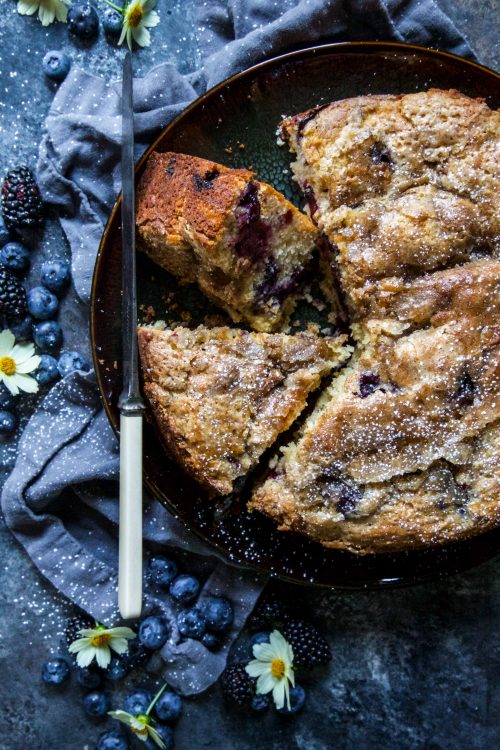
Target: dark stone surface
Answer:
[[413, 669]]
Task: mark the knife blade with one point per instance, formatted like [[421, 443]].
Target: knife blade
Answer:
[[130, 402]]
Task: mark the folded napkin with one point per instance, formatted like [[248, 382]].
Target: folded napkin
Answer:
[[61, 499]]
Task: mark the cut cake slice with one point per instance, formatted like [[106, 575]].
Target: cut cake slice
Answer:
[[248, 248], [221, 396]]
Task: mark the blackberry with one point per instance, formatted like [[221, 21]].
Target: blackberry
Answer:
[[21, 203], [237, 685], [269, 613], [12, 296], [78, 622], [308, 645]]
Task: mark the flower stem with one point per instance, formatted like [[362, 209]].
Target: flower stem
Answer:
[[151, 705], [116, 7]]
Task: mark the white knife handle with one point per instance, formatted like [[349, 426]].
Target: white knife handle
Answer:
[[130, 541]]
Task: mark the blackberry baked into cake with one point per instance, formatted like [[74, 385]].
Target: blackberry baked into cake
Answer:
[[242, 242], [221, 396], [403, 448]]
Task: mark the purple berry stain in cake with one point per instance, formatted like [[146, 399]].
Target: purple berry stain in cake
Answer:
[[380, 154], [369, 382], [205, 183], [333, 487], [252, 240], [310, 198], [271, 287], [464, 393]]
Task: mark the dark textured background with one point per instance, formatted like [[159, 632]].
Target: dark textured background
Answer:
[[413, 669]]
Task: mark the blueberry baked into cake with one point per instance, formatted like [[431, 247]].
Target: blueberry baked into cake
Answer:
[[247, 247], [221, 396], [403, 448]]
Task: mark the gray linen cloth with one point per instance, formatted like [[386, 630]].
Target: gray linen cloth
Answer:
[[60, 500]]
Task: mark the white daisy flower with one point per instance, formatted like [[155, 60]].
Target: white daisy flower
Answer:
[[273, 665], [97, 642], [141, 725], [16, 361], [48, 10], [138, 17]]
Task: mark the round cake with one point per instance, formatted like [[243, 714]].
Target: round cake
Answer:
[[403, 448]]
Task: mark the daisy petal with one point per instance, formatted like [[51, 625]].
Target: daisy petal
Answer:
[[119, 645], [122, 716], [84, 658], [266, 683], [151, 20], [264, 652], [141, 36], [9, 383], [46, 14], [279, 693], [79, 645], [22, 352], [25, 383], [256, 668], [103, 656], [28, 366], [156, 737], [122, 632], [7, 338]]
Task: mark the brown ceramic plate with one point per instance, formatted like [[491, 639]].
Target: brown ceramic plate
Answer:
[[235, 123]]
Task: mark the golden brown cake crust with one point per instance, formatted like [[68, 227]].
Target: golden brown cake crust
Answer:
[[404, 448], [222, 396], [240, 240]]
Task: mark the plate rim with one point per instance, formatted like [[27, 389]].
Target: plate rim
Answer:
[[302, 53]]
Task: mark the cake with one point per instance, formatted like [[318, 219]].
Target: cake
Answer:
[[221, 396], [248, 248], [403, 448]]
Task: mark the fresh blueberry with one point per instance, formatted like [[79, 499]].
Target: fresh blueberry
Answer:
[[161, 570], [70, 361], [88, 678], [168, 707], [191, 623], [96, 703], [219, 614], [117, 670], [15, 257], [55, 671], [8, 423], [83, 21], [56, 65], [136, 655], [23, 329], [42, 304], [138, 702], [184, 589], [211, 641], [47, 371], [257, 638], [297, 700], [7, 400], [55, 275], [166, 735], [47, 335], [112, 741], [4, 234], [153, 632], [112, 22], [260, 703]]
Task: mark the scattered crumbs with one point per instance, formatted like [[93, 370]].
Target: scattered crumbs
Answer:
[[228, 150], [219, 120], [296, 323], [332, 317], [186, 316], [101, 361], [313, 327], [241, 145], [115, 365], [149, 313]]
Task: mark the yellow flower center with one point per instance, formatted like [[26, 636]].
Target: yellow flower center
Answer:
[[142, 732], [100, 639], [7, 365], [144, 719], [135, 16], [278, 668]]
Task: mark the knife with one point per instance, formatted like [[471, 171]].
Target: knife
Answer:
[[130, 402]]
